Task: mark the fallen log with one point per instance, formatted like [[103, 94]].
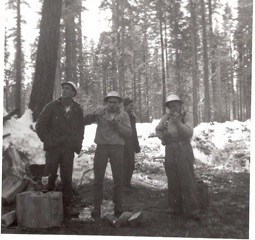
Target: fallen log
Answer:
[[6, 135], [9, 115], [39, 210]]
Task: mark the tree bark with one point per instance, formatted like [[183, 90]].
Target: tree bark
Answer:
[[115, 44], [205, 66], [145, 63], [162, 57], [46, 59], [18, 61], [176, 48], [194, 62], [71, 53], [82, 80]]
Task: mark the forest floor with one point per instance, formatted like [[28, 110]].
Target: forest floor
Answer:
[[226, 217]]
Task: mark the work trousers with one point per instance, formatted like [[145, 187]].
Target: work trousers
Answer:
[[129, 164], [115, 154], [182, 193], [62, 156]]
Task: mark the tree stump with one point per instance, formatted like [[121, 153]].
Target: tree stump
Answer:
[[39, 210]]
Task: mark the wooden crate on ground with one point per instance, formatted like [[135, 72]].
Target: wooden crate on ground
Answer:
[[39, 210], [11, 186]]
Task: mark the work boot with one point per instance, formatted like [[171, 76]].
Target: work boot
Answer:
[[96, 212]]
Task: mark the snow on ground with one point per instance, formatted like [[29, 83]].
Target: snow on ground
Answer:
[[221, 145], [24, 138]]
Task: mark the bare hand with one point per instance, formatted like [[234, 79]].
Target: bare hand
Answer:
[[175, 117]]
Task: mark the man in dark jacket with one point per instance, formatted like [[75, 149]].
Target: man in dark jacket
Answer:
[[60, 127], [131, 144]]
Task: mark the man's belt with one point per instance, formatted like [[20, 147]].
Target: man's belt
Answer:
[[176, 141]]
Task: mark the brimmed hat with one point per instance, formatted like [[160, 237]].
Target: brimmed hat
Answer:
[[113, 94], [72, 84], [173, 98], [127, 101]]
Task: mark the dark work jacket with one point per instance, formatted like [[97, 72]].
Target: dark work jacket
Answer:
[[55, 129], [132, 142]]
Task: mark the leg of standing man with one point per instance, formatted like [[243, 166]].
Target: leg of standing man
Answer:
[[66, 172], [116, 161], [100, 163], [174, 188], [128, 165], [51, 167]]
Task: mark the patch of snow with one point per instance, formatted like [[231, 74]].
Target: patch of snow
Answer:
[[223, 145], [23, 138]]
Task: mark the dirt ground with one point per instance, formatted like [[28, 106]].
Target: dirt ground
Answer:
[[226, 217]]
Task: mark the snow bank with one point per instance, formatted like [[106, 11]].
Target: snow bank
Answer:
[[24, 138], [222, 145]]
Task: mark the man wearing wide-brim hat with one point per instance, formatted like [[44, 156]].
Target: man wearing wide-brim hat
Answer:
[[113, 126], [175, 130], [60, 127]]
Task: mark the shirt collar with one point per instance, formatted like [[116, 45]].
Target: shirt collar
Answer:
[[60, 101]]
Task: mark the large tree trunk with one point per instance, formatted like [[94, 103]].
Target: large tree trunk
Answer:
[[178, 80], [71, 45], [105, 74], [82, 79], [213, 46], [194, 62], [139, 95], [218, 91], [18, 60], [233, 97], [205, 66], [115, 44], [162, 57], [46, 59], [147, 115], [121, 68], [58, 76], [166, 51], [145, 63], [134, 76], [6, 80]]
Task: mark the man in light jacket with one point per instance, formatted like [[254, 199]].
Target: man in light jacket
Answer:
[[113, 126]]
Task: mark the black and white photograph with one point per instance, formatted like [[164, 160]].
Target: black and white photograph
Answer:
[[127, 118]]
